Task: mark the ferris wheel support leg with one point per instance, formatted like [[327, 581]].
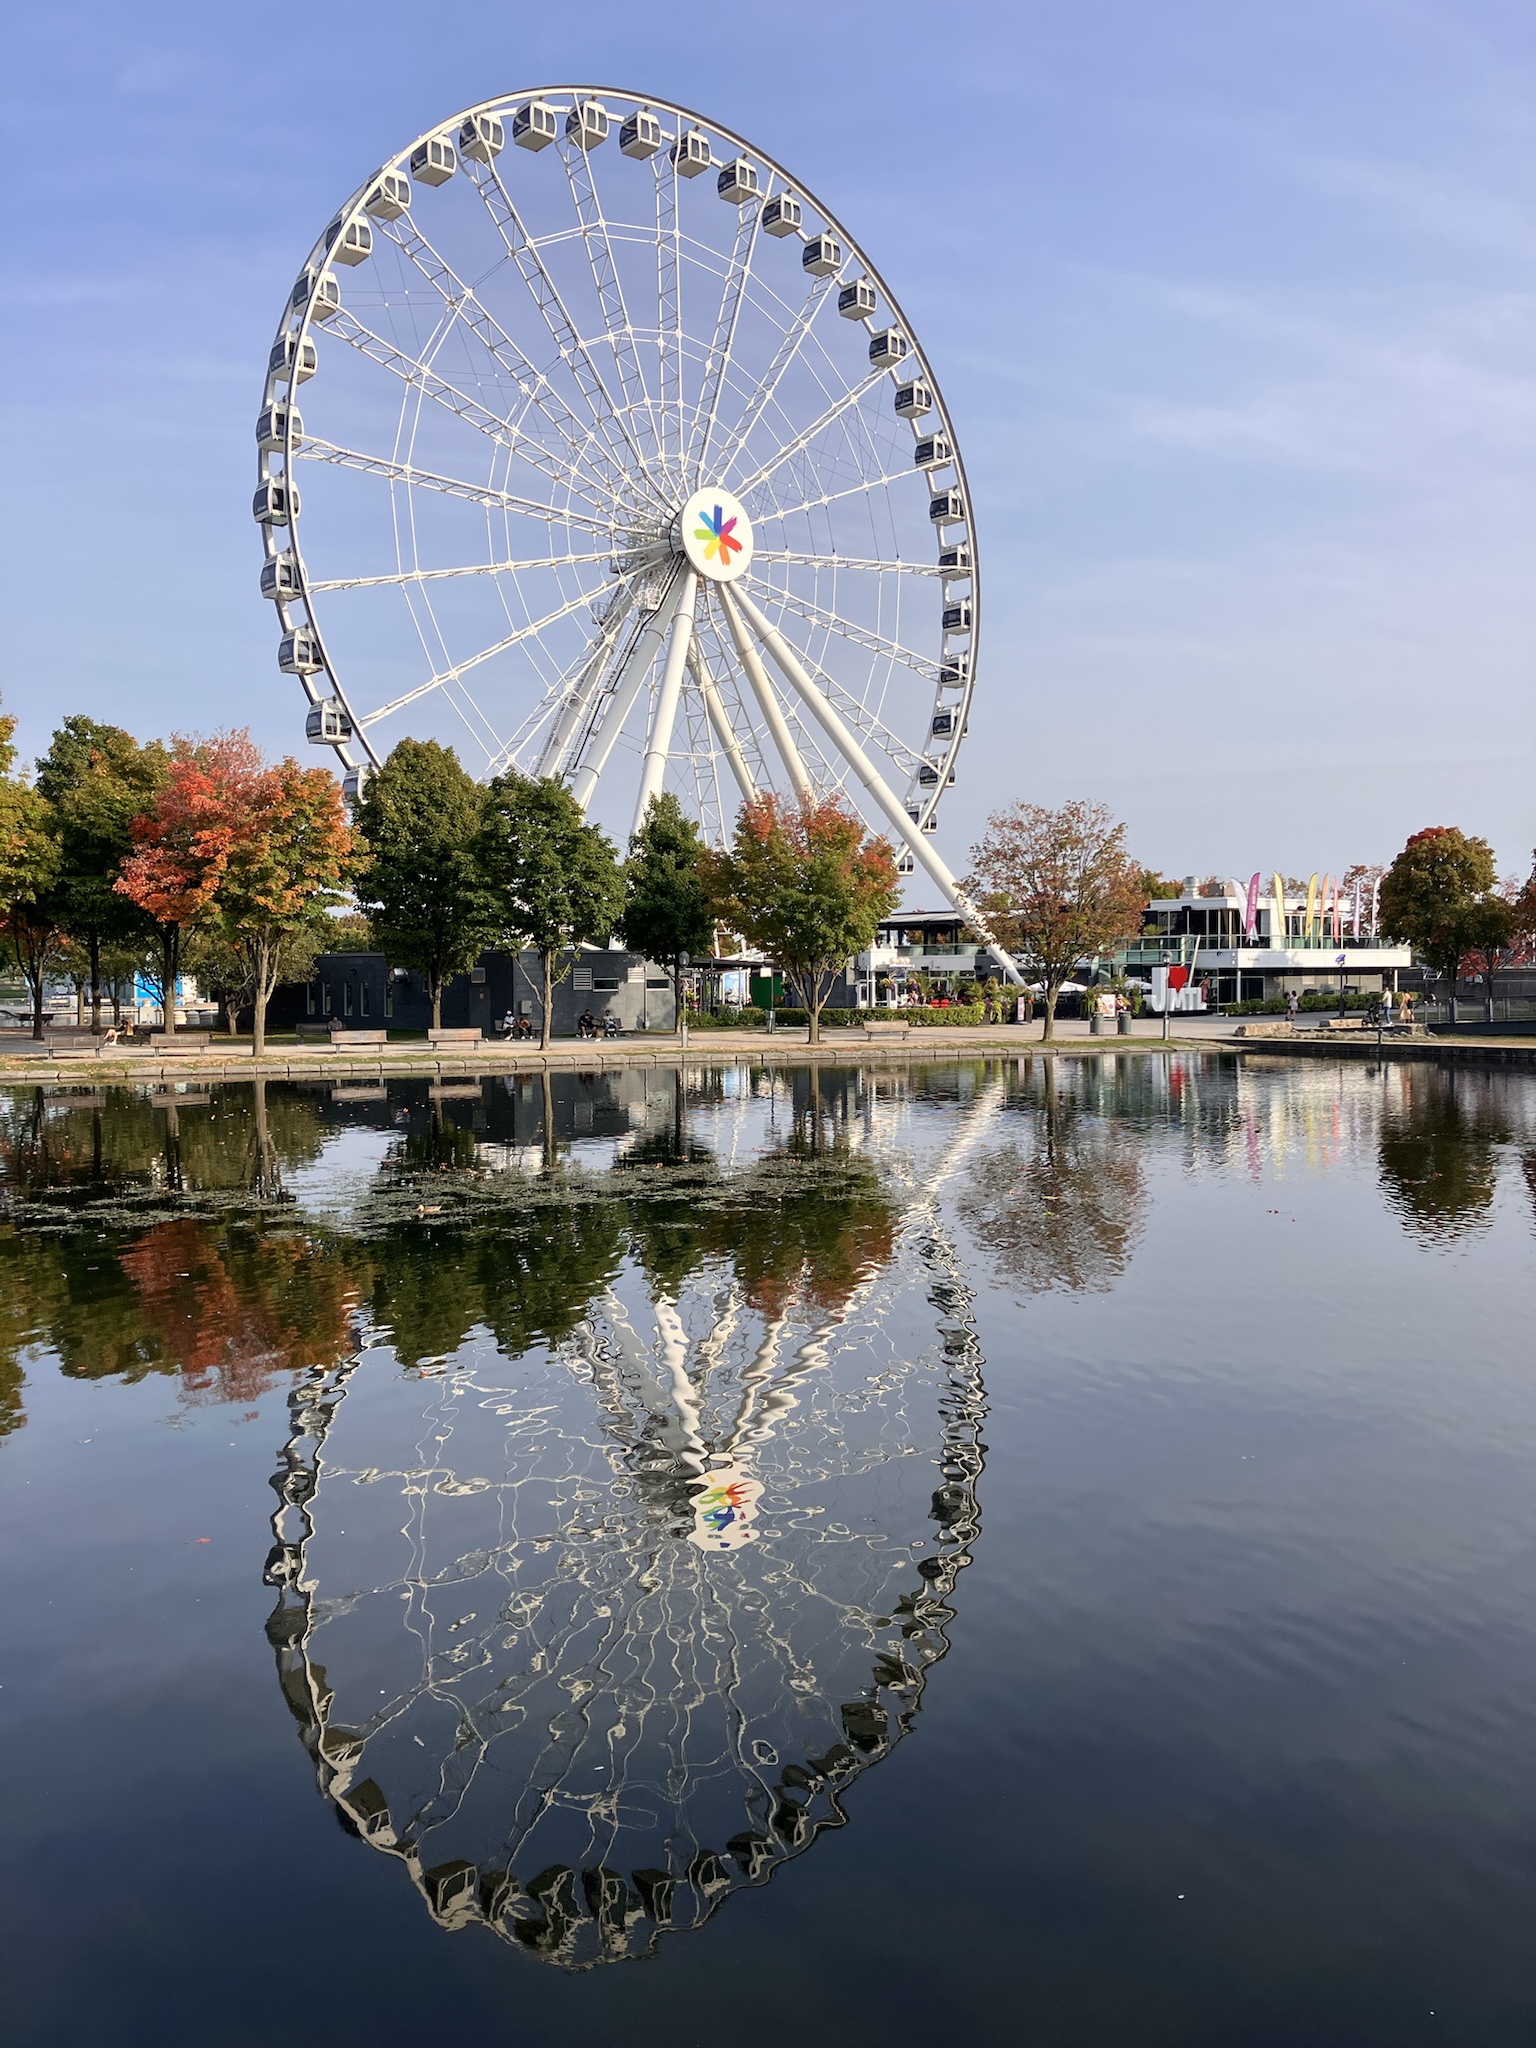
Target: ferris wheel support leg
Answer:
[[705, 683], [767, 699], [842, 737], [665, 715], [574, 709], [626, 688]]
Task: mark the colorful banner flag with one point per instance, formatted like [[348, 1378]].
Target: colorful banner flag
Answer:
[[1354, 911], [1311, 904], [1277, 911], [1251, 915]]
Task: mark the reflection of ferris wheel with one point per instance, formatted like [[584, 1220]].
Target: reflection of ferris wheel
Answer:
[[603, 1631], [623, 465]]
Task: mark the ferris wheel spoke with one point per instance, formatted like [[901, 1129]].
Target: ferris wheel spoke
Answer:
[[312, 449], [605, 277], [462, 668], [583, 446], [858, 490], [835, 561], [552, 309], [833, 622], [807, 435], [789, 347], [724, 337], [400, 576], [421, 377], [669, 312]]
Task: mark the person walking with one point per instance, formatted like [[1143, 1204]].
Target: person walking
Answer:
[[1292, 1004]]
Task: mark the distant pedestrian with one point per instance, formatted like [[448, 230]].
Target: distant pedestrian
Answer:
[[1292, 1004]]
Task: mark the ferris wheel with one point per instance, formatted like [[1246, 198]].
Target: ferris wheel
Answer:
[[620, 463]]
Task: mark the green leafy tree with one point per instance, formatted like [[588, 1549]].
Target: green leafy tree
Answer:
[[666, 909], [420, 886], [29, 873], [98, 779], [555, 879], [1061, 886], [803, 883], [1439, 896]]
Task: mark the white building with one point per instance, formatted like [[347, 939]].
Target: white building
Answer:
[[1205, 930]]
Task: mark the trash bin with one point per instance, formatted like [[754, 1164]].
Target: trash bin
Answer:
[[1096, 1026], [1123, 1024]]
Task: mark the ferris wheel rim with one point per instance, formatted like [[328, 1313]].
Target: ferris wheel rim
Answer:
[[959, 704]]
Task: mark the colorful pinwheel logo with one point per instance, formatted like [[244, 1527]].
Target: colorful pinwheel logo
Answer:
[[717, 536]]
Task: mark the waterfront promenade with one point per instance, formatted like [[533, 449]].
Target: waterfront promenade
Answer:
[[23, 1063]]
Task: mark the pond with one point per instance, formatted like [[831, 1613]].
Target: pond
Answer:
[[1019, 1549]]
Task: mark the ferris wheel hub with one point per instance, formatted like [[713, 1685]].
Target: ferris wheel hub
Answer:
[[714, 534]]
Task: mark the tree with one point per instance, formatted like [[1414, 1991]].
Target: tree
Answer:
[[182, 843], [1438, 897], [555, 879], [290, 855], [1062, 887], [803, 883], [666, 911], [97, 779], [420, 886], [29, 866]]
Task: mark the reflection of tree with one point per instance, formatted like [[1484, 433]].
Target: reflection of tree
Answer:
[[1438, 1153], [234, 1138], [1063, 1206], [528, 1283], [228, 1309], [234, 1311]]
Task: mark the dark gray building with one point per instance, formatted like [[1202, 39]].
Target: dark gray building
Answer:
[[362, 990]]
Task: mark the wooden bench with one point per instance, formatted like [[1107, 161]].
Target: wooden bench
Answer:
[[884, 1027], [342, 1040], [444, 1036], [179, 1042]]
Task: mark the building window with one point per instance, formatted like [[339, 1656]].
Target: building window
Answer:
[[477, 974], [362, 999], [389, 999], [605, 984], [346, 1000], [325, 997], [309, 1000]]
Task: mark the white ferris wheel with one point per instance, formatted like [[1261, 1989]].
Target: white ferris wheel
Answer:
[[620, 463]]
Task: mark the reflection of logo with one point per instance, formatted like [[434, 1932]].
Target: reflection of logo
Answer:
[[718, 535], [722, 1512]]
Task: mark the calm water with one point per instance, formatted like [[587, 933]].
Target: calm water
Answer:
[[1023, 1551]]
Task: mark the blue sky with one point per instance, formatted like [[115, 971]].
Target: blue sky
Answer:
[[1234, 306]]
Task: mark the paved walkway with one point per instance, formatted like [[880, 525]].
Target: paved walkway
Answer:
[[21, 1065]]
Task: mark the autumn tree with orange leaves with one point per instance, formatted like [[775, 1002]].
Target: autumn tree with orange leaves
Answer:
[[291, 854], [801, 882], [230, 842], [182, 844]]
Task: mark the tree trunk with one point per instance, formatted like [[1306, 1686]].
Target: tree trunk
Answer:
[[435, 990], [79, 981], [813, 1021], [93, 952], [37, 1003], [547, 963], [263, 952], [1048, 1027], [170, 960]]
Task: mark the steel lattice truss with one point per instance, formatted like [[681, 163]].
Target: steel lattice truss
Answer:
[[573, 1709], [522, 358]]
